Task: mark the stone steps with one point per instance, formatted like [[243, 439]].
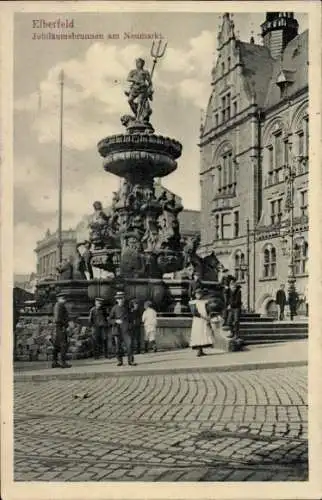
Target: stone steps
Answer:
[[259, 333]]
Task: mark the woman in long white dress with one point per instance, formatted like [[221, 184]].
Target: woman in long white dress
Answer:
[[201, 332]]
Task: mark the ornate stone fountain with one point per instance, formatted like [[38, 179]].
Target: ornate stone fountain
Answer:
[[139, 240]]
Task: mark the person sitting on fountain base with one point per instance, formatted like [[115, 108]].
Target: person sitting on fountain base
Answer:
[[84, 266], [99, 226]]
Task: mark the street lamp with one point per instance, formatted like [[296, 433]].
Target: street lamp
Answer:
[[287, 232]]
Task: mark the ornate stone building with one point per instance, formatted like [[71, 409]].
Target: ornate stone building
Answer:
[[256, 132], [47, 252]]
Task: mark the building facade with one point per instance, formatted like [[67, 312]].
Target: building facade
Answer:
[[254, 148], [47, 252]]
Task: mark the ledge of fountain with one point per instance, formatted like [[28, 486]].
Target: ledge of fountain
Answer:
[[140, 142]]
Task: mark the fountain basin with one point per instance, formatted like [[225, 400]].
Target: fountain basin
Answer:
[[151, 155]]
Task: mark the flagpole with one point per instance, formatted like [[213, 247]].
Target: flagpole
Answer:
[[60, 176]]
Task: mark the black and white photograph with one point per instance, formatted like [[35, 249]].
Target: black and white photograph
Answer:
[[160, 281]]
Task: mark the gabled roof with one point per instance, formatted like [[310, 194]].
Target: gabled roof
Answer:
[[258, 66], [294, 64]]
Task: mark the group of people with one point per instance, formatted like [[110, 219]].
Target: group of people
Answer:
[[120, 327], [281, 300]]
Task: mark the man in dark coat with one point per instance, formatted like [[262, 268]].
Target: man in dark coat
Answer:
[[234, 308], [225, 282], [99, 323], [293, 300], [281, 301], [135, 325], [195, 284], [60, 341], [120, 321]]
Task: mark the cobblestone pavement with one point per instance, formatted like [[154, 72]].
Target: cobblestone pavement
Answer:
[[242, 426]]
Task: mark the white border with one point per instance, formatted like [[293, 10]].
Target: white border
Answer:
[[34, 491]]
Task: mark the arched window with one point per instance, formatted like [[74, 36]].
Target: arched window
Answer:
[[239, 266], [273, 261], [220, 180], [303, 145], [266, 263], [226, 169], [303, 137], [300, 256], [217, 227], [300, 127], [275, 153], [269, 262]]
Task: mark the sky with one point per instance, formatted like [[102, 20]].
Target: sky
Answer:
[[95, 74]]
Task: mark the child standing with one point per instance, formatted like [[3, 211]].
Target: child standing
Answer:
[[149, 319]]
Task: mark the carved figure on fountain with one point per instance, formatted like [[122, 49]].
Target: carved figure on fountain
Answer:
[[149, 194], [121, 198], [139, 94], [152, 269], [169, 261], [137, 224], [207, 267], [100, 228], [115, 200], [132, 263], [83, 265], [150, 239], [189, 250], [171, 206]]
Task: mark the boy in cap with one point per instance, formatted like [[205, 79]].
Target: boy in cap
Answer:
[[120, 321], [60, 341], [98, 321]]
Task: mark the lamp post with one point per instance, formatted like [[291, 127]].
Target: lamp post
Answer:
[[250, 240], [287, 232]]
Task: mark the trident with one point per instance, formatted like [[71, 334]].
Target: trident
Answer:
[[157, 52]]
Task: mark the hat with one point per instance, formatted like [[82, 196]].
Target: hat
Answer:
[[119, 295], [199, 290], [61, 294], [99, 299]]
